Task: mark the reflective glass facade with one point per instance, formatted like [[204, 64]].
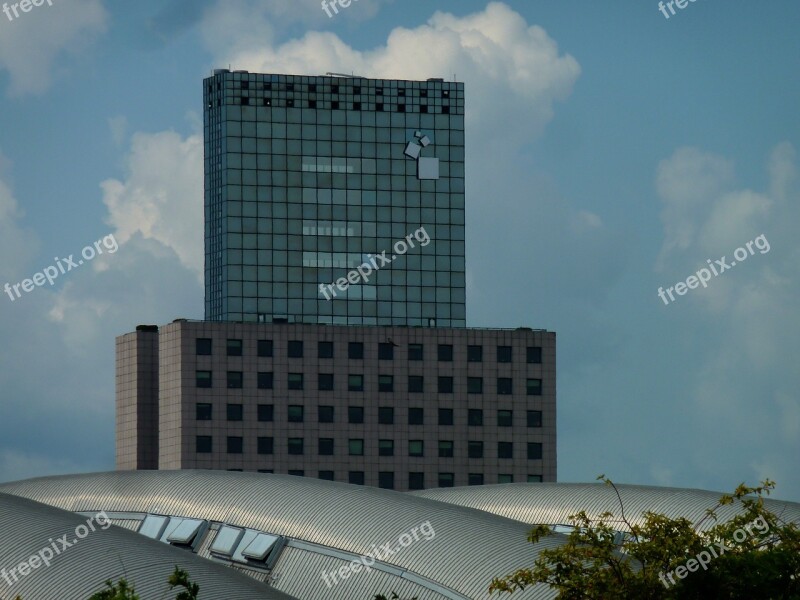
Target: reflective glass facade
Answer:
[[308, 179]]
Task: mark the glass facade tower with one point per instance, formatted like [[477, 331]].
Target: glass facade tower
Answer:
[[309, 180]]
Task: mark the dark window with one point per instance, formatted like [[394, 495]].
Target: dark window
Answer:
[[415, 448], [416, 480], [235, 444], [355, 350], [505, 478], [325, 350], [445, 449], [266, 470], [297, 472], [289, 87], [534, 355], [475, 417], [266, 445], [446, 479], [474, 353], [475, 449], [334, 89], [295, 349], [267, 101], [445, 352], [245, 85], [475, 479], [356, 89], [266, 412], [295, 381], [504, 354], [295, 446], [290, 104], [325, 382], [312, 87], [445, 416], [326, 475], [474, 385], [416, 384], [386, 480], [445, 93], [534, 451], [265, 380], [203, 444], [416, 416], [445, 385], [401, 92], [295, 414], [505, 418], [423, 108], [385, 447], [505, 450], [379, 107], [415, 352], [355, 414], [235, 412], [401, 108], [312, 104], [265, 348], [203, 346], [203, 411], [534, 418], [445, 110], [385, 351], [234, 347], [379, 91], [386, 415], [355, 447], [355, 477], [385, 383], [355, 383], [423, 93], [356, 105], [533, 387], [534, 479], [326, 446], [335, 105], [325, 414], [203, 379], [245, 101], [235, 380], [504, 385]]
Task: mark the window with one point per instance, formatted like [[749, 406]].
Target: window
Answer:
[[235, 380], [505, 450], [385, 383], [504, 354], [386, 415], [295, 349], [401, 92], [379, 106], [203, 346], [297, 472], [295, 446], [266, 412], [385, 447], [416, 384], [203, 379], [355, 383], [325, 382], [445, 353], [355, 350], [312, 104], [534, 451], [445, 449], [505, 418], [325, 414], [265, 380], [401, 108], [356, 90], [326, 446], [355, 414], [415, 351], [355, 447], [534, 479], [295, 413], [533, 387], [445, 385], [416, 416], [475, 479], [446, 479], [534, 418], [203, 444], [235, 412], [325, 350], [445, 416], [474, 353], [474, 385], [335, 106], [326, 475], [203, 411], [265, 348], [385, 351], [356, 105], [266, 445], [415, 448], [355, 477], [235, 444], [416, 480], [295, 381], [386, 480], [234, 347], [475, 449], [504, 385], [475, 417], [534, 355], [505, 478]]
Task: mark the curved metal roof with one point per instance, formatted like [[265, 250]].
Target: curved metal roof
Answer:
[[552, 503], [468, 549], [30, 529]]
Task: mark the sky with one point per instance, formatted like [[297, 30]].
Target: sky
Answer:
[[611, 151]]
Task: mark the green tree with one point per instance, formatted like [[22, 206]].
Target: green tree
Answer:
[[754, 555]]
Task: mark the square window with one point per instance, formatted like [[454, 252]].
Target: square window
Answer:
[[416, 480], [504, 386], [355, 350], [326, 446], [356, 105], [475, 479], [295, 413], [312, 104], [295, 446], [534, 451], [235, 444], [379, 107], [385, 447], [475, 417], [355, 477], [386, 480], [446, 479], [335, 106], [235, 380], [533, 387], [474, 385], [355, 414], [445, 385], [475, 449], [416, 416], [445, 416], [266, 412], [266, 445], [505, 478], [325, 414], [295, 381], [385, 383], [415, 352], [445, 449], [355, 447], [355, 383], [265, 380], [386, 415], [295, 349], [203, 379], [325, 382], [203, 411], [534, 479], [265, 348], [203, 444], [234, 347], [385, 351], [505, 450], [428, 168], [534, 418], [326, 475], [474, 353], [416, 384], [203, 346], [325, 350], [445, 353], [235, 412], [534, 355], [415, 448], [401, 108], [505, 418], [504, 354]]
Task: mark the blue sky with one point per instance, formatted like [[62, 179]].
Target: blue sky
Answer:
[[611, 151]]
